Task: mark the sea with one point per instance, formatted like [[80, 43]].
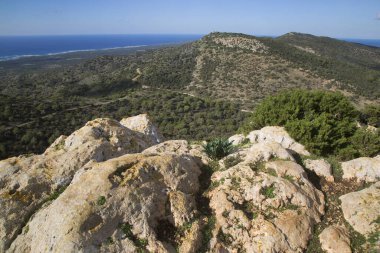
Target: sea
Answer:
[[15, 47]]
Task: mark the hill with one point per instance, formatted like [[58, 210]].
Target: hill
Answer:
[[228, 71], [352, 53]]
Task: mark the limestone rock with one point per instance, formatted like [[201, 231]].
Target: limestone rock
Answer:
[[270, 209], [362, 169], [361, 209], [237, 139], [144, 127], [27, 182], [179, 147], [279, 135], [116, 203], [321, 167], [335, 239], [192, 240]]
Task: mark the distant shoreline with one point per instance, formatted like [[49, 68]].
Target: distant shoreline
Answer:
[[16, 57], [14, 48]]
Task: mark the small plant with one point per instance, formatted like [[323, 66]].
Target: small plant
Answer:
[[101, 201], [288, 207], [272, 172], [268, 192], [56, 194], [232, 161], [235, 182], [109, 240], [225, 238], [126, 228], [218, 148], [140, 244], [289, 178], [258, 166], [207, 233], [185, 227]]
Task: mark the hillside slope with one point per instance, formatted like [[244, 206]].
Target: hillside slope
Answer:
[[353, 53], [230, 66]]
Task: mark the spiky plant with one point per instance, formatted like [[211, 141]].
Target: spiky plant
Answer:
[[218, 148]]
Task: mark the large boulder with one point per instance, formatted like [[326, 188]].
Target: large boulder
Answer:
[[26, 182], [361, 209], [321, 167], [335, 239], [279, 135], [144, 127], [237, 139], [363, 169], [126, 204], [263, 206], [179, 147]]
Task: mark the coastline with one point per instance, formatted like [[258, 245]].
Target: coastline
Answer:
[[16, 57], [14, 48]]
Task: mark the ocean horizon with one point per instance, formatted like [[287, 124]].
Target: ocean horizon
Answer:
[[16, 47]]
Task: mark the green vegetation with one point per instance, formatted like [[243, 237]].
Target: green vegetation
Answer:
[[371, 115], [325, 122], [56, 193], [101, 200], [224, 238], [140, 244], [268, 191], [178, 116], [359, 74], [232, 161], [207, 233], [218, 148]]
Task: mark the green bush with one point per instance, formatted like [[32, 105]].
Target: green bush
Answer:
[[371, 115], [218, 148], [323, 121], [366, 143]]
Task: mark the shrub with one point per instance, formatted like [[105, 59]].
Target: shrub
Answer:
[[367, 143], [322, 121], [218, 148], [371, 115]]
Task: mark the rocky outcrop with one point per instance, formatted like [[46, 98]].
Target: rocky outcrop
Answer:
[[321, 167], [144, 128], [179, 147], [239, 42], [279, 135], [335, 239], [115, 187], [263, 206], [123, 201], [361, 209], [237, 139], [362, 169], [26, 182]]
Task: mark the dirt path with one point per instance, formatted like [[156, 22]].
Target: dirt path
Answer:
[[67, 110], [139, 73]]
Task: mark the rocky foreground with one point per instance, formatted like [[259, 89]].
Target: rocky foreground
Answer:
[[119, 187]]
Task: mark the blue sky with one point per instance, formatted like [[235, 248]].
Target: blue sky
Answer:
[[335, 18]]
